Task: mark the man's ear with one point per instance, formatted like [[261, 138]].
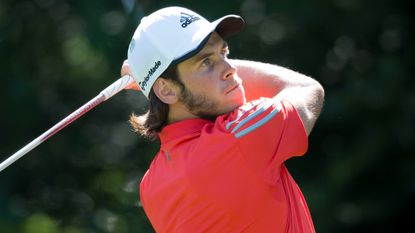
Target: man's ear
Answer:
[[166, 91]]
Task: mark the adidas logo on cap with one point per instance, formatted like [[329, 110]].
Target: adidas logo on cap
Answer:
[[187, 19]]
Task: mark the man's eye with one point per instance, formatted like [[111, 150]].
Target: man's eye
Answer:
[[206, 62]]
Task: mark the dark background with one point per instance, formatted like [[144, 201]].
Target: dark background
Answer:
[[55, 55]]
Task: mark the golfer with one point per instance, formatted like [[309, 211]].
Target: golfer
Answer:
[[226, 127]]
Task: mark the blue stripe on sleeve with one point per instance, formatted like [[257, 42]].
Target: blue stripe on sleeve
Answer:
[[261, 108], [240, 114], [264, 120]]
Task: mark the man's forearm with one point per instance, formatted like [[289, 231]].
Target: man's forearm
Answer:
[[266, 80]]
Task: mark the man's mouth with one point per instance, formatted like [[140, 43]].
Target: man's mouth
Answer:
[[233, 87]]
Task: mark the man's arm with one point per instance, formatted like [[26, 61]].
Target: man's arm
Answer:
[[266, 80]]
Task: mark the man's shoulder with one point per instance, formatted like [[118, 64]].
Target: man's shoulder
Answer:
[[253, 113]]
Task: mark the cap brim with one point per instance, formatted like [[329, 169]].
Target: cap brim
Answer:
[[225, 27], [229, 25]]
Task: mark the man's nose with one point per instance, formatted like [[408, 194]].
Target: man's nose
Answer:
[[229, 70]]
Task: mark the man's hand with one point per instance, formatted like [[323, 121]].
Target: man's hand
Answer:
[[125, 70]]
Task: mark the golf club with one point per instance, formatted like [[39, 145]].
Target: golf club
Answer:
[[117, 86]]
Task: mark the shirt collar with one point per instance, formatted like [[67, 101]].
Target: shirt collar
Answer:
[[181, 130]]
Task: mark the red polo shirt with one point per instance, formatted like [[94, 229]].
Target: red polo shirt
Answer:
[[229, 175]]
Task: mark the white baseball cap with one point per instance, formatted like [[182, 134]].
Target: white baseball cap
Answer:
[[169, 36]]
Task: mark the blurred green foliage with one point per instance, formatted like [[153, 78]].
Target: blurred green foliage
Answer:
[[55, 55]]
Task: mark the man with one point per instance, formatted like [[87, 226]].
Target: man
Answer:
[[225, 126]]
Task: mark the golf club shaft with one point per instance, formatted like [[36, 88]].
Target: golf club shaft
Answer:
[[107, 93]]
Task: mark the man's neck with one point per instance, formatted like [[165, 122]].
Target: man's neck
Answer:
[[179, 112]]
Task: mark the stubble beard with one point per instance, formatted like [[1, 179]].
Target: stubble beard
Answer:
[[200, 105]]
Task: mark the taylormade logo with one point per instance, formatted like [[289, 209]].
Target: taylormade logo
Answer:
[[187, 19], [143, 84]]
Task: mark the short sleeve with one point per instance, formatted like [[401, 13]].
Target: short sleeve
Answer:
[[268, 132]]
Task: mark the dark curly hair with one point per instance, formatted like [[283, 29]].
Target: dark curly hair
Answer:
[[153, 121]]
